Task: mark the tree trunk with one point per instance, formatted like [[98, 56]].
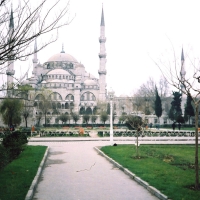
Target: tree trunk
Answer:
[[26, 122], [196, 147], [137, 152], [45, 119]]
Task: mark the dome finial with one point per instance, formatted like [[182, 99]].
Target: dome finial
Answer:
[[62, 49]]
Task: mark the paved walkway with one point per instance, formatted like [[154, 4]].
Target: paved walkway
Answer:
[[75, 171]]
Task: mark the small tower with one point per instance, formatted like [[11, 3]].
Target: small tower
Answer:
[[102, 57], [10, 68], [35, 59]]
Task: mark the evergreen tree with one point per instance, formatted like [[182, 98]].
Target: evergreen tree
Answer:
[[175, 112], [189, 110], [103, 117], [158, 104], [10, 110], [75, 117]]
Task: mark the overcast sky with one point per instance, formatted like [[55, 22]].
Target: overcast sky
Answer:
[[136, 32]]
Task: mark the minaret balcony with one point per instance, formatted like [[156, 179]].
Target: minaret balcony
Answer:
[[102, 55], [102, 39], [10, 72], [102, 72]]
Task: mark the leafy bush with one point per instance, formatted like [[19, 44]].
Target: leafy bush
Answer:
[[14, 143]]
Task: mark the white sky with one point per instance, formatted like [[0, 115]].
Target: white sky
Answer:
[[136, 31]]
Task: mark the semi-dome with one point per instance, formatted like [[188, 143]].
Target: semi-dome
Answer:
[[58, 72], [62, 57], [90, 82]]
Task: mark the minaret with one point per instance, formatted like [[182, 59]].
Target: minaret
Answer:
[[182, 72], [182, 78], [10, 69], [35, 59], [102, 57]]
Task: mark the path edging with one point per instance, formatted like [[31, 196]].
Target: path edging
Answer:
[[151, 189], [30, 193]]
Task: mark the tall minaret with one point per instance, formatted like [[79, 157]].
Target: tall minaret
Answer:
[[102, 57], [182, 72], [35, 59], [182, 78], [10, 69]]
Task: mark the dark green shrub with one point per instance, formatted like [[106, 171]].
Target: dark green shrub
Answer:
[[100, 133], [4, 157], [14, 142]]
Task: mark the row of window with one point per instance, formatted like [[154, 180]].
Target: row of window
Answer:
[[60, 77], [87, 96], [90, 86], [54, 105], [58, 85]]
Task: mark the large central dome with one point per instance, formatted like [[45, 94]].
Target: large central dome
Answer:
[[62, 57]]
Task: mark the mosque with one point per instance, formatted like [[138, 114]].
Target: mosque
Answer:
[[70, 87]]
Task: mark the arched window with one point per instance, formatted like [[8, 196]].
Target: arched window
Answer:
[[88, 96], [59, 105], [88, 111], [66, 106], [69, 97], [55, 96], [39, 97], [82, 111], [63, 106]]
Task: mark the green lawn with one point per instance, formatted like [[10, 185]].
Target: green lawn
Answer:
[[169, 168], [17, 176]]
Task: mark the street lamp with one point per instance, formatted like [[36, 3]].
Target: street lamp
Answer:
[[111, 96]]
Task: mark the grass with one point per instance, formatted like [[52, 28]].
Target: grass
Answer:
[[169, 168], [17, 176]]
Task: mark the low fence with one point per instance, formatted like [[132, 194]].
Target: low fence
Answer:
[[60, 133], [148, 133]]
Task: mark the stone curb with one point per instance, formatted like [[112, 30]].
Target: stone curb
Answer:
[[30, 193], [151, 189]]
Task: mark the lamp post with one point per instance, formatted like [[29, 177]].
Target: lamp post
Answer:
[[111, 96]]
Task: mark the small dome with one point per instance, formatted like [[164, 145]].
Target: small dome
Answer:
[[89, 82], [62, 57], [124, 95]]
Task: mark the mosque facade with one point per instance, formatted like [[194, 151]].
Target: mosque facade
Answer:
[[66, 82]]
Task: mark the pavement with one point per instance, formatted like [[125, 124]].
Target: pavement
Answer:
[[75, 171]]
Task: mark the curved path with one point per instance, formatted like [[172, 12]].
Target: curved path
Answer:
[[75, 171]]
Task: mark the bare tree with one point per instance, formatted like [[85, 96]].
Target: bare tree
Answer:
[[24, 22], [188, 85], [147, 93]]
